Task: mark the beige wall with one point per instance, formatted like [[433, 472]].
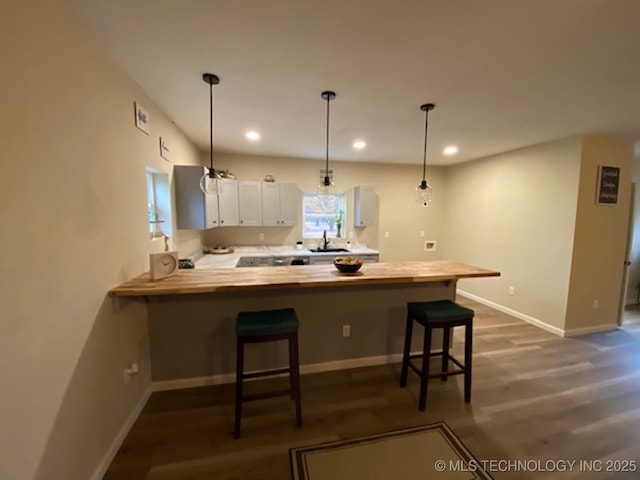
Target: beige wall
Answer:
[[599, 246], [398, 214], [515, 212], [73, 222], [531, 214]]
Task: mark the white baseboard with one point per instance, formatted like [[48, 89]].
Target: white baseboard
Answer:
[[539, 323], [304, 369], [122, 434], [514, 313], [585, 330]]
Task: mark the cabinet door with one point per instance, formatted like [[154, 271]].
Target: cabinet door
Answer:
[[270, 204], [250, 203], [194, 209], [365, 206], [289, 203], [228, 203], [211, 210]]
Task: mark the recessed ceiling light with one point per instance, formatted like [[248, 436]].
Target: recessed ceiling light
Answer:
[[450, 150], [253, 136], [359, 144]]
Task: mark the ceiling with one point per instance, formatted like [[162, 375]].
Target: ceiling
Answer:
[[503, 74]]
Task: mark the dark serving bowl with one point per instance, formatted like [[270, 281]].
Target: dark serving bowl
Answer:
[[345, 267]]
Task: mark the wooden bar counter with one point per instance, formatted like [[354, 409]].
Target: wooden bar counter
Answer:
[[191, 316], [305, 276]]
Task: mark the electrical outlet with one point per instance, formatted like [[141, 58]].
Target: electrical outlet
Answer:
[[386, 234], [512, 290], [422, 233], [596, 304], [261, 236], [129, 371], [352, 235], [346, 330], [429, 245]]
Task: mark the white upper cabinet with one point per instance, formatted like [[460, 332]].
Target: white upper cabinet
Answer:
[[239, 203], [280, 203], [229, 215], [194, 209], [364, 205], [250, 203]]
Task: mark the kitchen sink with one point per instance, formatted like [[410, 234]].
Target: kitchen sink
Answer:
[[327, 250]]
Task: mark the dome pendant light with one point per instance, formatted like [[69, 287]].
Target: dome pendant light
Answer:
[[423, 192], [326, 186], [210, 182]]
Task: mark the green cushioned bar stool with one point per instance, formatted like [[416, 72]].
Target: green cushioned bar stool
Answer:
[[443, 314], [268, 326]]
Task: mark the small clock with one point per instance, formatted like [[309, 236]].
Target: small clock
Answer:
[[163, 265]]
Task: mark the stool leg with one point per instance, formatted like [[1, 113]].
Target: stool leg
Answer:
[[294, 375], [468, 348], [239, 374], [406, 351], [424, 375], [446, 339]]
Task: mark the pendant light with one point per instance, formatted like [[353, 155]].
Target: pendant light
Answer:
[[210, 182], [326, 186], [422, 193]]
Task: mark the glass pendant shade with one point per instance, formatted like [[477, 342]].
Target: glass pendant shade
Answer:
[[211, 185], [423, 193], [326, 186], [210, 182]]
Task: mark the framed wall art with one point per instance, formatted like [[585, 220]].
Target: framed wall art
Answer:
[[608, 185], [142, 118], [165, 149]]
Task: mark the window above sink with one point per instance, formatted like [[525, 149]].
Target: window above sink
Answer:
[[322, 213]]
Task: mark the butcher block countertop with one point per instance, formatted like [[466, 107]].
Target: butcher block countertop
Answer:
[[307, 276]]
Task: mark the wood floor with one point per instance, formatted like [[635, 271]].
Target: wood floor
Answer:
[[535, 396]]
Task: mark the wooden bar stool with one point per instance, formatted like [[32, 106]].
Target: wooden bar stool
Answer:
[[267, 326], [443, 314]]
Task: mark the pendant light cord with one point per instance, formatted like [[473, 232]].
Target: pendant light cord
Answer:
[[424, 157], [326, 165], [211, 170]]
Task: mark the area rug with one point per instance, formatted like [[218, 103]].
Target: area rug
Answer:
[[429, 451]]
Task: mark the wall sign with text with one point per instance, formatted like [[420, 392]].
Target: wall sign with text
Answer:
[[608, 184]]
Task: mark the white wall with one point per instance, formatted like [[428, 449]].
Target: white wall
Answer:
[[73, 216]]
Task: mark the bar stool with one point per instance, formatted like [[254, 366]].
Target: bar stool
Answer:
[[260, 327], [443, 314]]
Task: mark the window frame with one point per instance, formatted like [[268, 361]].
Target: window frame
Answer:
[[330, 216]]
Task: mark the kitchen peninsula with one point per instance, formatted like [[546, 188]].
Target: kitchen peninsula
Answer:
[[192, 314]]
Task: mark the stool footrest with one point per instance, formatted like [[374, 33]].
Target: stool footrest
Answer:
[[260, 396], [448, 373], [266, 373]]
